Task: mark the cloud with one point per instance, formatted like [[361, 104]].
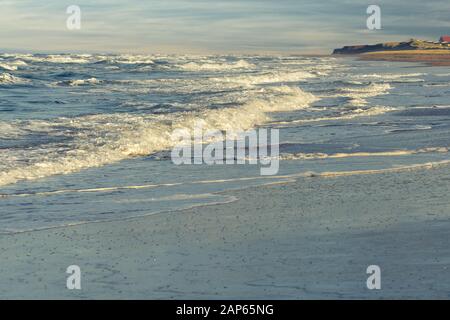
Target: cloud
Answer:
[[179, 26]]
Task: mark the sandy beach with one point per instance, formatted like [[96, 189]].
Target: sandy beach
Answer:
[[429, 57], [363, 179], [312, 238], [224, 150]]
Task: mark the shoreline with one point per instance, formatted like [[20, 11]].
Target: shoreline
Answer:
[[311, 238], [434, 58], [364, 180], [230, 195]]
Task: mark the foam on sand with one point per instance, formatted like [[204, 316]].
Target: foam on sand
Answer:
[[272, 180], [394, 153]]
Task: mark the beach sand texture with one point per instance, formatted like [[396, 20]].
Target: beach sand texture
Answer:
[[312, 238]]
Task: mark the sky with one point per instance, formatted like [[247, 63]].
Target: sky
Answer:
[[214, 26]]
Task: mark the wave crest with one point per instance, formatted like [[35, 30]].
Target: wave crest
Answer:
[[102, 139], [9, 79]]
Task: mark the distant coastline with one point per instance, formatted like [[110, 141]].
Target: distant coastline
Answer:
[[432, 53]]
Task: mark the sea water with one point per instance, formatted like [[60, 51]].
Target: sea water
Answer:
[[87, 137]]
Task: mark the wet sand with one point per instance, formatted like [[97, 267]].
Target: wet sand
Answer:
[[430, 57], [312, 238]]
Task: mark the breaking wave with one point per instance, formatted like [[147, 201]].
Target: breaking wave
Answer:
[[224, 66], [272, 77], [79, 82], [97, 140], [12, 65], [357, 96], [8, 79]]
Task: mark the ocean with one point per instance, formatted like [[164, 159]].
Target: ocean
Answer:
[[87, 138]]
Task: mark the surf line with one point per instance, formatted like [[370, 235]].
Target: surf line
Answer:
[[278, 179], [135, 187]]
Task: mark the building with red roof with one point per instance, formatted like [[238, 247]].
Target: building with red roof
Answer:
[[445, 39]]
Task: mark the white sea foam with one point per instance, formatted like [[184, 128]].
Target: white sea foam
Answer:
[[12, 65], [375, 88], [67, 59], [266, 78], [9, 131], [411, 128], [412, 167], [8, 67], [107, 138], [7, 78], [78, 82], [357, 113], [128, 59], [393, 153], [226, 95], [215, 66], [280, 179], [357, 95], [54, 58], [388, 76]]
